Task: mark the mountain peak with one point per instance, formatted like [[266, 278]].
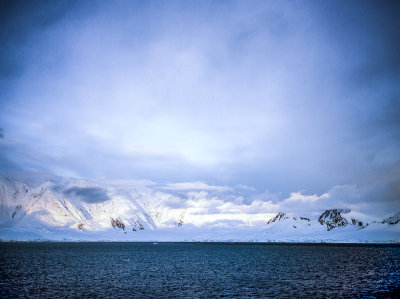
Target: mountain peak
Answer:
[[333, 218], [278, 217]]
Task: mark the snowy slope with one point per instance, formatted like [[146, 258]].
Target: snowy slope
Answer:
[[336, 225], [42, 208], [62, 210]]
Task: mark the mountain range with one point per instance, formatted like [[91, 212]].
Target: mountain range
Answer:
[[76, 210]]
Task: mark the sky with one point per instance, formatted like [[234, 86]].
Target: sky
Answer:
[[286, 98]]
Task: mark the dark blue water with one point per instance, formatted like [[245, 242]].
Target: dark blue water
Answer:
[[197, 270]]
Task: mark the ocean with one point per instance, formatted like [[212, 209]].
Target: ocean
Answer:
[[197, 270]]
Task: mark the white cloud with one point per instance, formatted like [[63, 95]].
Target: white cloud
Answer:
[[195, 186], [299, 197]]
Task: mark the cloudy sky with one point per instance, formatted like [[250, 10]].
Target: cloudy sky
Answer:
[[276, 97]]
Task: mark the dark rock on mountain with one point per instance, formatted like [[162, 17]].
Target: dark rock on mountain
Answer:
[[116, 222], [138, 225], [395, 219], [357, 222], [280, 216], [333, 218]]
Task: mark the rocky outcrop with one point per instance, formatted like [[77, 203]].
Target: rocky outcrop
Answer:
[[394, 222], [116, 222], [138, 225], [333, 218], [357, 222], [305, 219], [282, 216], [278, 217], [395, 219]]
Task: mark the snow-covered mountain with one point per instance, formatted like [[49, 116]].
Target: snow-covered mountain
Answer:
[[80, 210], [332, 225], [76, 207], [395, 219]]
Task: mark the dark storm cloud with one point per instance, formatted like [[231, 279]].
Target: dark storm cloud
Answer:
[[88, 194], [382, 51], [20, 22]]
